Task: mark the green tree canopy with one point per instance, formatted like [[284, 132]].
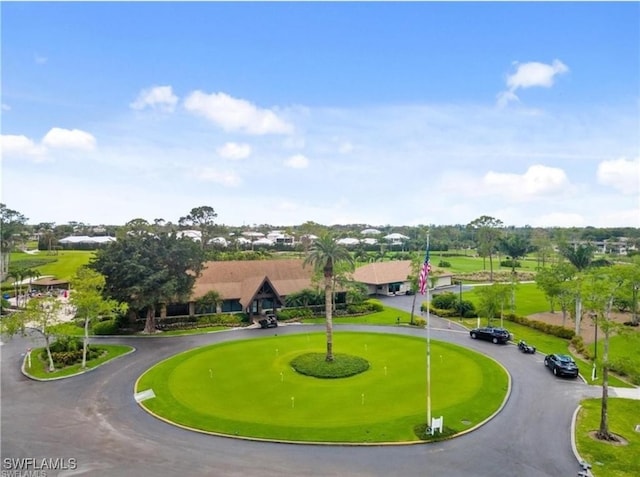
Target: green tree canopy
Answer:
[[146, 270]]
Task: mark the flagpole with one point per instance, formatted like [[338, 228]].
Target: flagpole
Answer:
[[428, 350]]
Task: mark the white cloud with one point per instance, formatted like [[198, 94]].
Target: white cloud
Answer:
[[158, 97], [535, 74], [19, 145], [297, 162], [233, 114], [6, 107], [69, 139], [539, 180], [504, 97], [210, 174], [234, 151], [40, 60], [621, 174], [529, 75]]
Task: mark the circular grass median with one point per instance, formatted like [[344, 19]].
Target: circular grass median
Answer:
[[248, 388]]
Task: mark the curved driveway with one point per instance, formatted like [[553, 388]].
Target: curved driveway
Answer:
[[95, 419]]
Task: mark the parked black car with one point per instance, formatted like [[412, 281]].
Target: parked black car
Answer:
[[269, 321], [526, 348], [561, 365], [489, 333]]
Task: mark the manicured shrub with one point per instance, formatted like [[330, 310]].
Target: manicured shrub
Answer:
[[66, 343], [466, 308], [444, 264], [420, 322], [108, 327], [510, 263], [446, 301], [294, 314], [342, 366]]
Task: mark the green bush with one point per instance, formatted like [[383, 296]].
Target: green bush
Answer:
[[555, 330], [68, 357], [223, 319], [369, 306], [446, 301], [108, 327], [420, 322], [444, 264], [510, 263], [466, 308], [294, 314], [342, 366], [66, 343]]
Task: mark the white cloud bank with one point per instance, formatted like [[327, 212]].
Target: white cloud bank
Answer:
[[621, 174], [19, 145], [528, 75], [60, 138], [537, 181], [233, 114], [157, 97], [56, 138]]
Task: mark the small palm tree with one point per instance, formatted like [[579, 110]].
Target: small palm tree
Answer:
[[324, 254]]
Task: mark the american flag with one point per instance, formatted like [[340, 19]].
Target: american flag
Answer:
[[424, 273]]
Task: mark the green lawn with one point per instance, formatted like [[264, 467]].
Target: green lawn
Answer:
[[261, 396], [529, 299], [471, 263], [64, 266], [610, 460], [624, 350], [39, 367]]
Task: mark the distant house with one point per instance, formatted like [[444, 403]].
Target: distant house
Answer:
[[75, 239], [392, 278]]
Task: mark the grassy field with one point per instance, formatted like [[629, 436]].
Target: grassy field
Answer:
[[263, 397], [62, 266], [529, 299], [609, 460], [39, 367], [470, 263]]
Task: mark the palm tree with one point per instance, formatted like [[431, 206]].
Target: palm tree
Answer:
[[323, 255], [18, 275], [488, 232], [580, 256]]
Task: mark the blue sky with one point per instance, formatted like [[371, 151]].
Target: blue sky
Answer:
[[282, 113]]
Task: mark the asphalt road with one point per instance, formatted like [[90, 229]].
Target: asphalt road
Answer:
[[94, 419]]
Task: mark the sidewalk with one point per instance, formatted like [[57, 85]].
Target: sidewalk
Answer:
[[629, 393]]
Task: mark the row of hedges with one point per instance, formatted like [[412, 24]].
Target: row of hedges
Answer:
[[555, 330], [368, 306]]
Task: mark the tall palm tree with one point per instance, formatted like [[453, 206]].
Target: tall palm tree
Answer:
[[580, 256], [323, 255]]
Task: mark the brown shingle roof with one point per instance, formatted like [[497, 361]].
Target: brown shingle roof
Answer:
[[241, 279], [380, 273]]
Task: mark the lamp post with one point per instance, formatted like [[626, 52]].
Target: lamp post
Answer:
[[594, 373], [460, 299]]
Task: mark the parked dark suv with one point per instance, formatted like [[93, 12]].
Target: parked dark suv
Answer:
[[561, 365], [269, 321], [489, 333]]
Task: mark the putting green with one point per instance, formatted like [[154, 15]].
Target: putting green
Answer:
[[247, 388]]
